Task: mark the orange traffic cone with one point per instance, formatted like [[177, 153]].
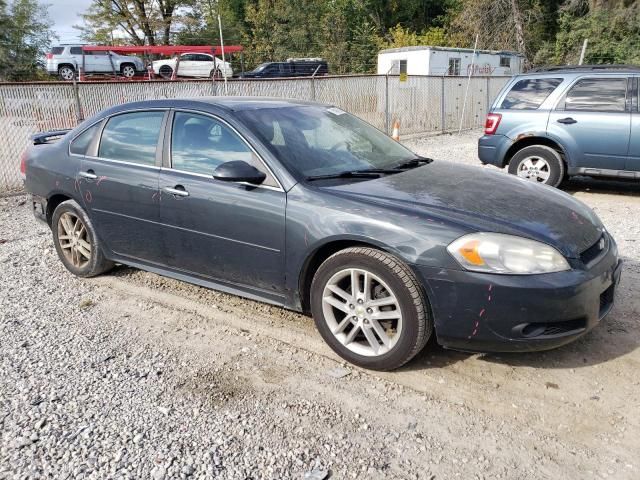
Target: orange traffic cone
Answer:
[[395, 134]]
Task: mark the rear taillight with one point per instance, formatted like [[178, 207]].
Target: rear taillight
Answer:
[[491, 123], [49, 56], [23, 164]]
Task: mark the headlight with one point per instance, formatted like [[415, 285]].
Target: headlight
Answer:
[[507, 254]]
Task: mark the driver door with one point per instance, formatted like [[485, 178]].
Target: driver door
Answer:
[[231, 233]]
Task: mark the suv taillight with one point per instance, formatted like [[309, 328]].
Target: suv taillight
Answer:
[[23, 164], [49, 56], [491, 123]]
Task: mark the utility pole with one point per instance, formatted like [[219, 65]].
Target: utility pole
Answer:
[[584, 50], [224, 62]]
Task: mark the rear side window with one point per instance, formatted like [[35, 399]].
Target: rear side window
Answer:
[[529, 94], [80, 144], [598, 95], [57, 50], [75, 50], [132, 137]]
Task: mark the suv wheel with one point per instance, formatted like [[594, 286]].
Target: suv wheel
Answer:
[[128, 70], [66, 72], [76, 241], [538, 163], [369, 307]]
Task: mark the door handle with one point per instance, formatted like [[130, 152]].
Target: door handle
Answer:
[[178, 191], [88, 174], [567, 121]]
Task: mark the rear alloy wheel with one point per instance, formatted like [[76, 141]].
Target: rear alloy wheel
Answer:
[[369, 307], [66, 73], [538, 163], [76, 242], [215, 74], [128, 71], [165, 72]]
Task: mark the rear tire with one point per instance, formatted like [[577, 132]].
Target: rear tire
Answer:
[[215, 74], [165, 72], [538, 163], [76, 241], [66, 73], [379, 324]]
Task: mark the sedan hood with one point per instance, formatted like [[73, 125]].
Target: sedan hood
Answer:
[[485, 200]]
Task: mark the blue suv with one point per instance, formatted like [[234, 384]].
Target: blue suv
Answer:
[[550, 124]]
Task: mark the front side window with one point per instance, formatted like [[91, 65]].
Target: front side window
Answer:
[[597, 95], [199, 144], [315, 140], [132, 137], [80, 144], [530, 94], [75, 50]]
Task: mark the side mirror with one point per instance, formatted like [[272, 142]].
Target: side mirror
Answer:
[[238, 171]]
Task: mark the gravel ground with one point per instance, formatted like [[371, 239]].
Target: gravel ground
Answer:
[[132, 375]]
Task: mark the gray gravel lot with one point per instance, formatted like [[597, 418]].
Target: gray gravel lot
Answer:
[[132, 375]]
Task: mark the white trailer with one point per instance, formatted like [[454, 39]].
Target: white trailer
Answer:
[[425, 60]]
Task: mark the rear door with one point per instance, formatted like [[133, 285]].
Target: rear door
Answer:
[[227, 232], [118, 182], [633, 160], [188, 65], [593, 121]]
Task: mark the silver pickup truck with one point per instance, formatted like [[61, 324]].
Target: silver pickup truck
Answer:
[[65, 61]]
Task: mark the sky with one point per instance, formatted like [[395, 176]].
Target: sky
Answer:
[[65, 14]]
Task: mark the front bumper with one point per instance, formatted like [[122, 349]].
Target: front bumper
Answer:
[[513, 313]]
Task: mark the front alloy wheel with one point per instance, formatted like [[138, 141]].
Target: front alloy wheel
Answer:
[[128, 71], [370, 308], [362, 312]]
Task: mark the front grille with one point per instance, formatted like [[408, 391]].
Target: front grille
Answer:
[[595, 251]]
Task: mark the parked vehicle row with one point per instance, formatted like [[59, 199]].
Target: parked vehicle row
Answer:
[[549, 125], [66, 61], [308, 207]]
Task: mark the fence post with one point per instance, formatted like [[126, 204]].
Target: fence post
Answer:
[[442, 107], [313, 83], [386, 103], [76, 94], [488, 98]]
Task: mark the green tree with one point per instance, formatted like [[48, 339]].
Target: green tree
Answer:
[[26, 37]]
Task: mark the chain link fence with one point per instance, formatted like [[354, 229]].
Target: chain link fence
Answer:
[[419, 104]]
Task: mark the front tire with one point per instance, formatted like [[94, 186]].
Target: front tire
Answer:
[[76, 241], [128, 70], [370, 308], [538, 163]]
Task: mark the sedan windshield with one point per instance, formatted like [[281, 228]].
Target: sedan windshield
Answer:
[[317, 141]]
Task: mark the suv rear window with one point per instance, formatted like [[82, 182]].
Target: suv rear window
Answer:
[[57, 50], [529, 94], [598, 95]]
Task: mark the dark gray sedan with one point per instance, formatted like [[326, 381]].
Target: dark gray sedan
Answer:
[[308, 207]]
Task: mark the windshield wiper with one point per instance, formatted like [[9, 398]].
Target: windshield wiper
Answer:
[[413, 163], [368, 173]]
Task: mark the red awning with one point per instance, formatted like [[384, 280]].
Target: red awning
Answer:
[[164, 49]]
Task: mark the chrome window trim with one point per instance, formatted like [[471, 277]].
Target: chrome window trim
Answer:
[[235, 130], [121, 162]]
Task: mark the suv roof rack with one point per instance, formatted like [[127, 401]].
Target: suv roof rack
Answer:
[[558, 68]]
